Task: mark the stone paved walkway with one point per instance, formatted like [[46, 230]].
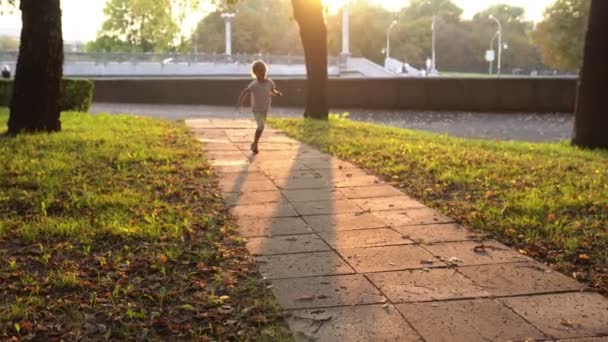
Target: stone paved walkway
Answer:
[[353, 259]]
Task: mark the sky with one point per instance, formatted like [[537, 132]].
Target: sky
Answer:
[[82, 18]]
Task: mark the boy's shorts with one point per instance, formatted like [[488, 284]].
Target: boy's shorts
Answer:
[[260, 118]]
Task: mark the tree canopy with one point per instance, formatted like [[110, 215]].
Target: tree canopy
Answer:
[[143, 26], [561, 35], [265, 26]]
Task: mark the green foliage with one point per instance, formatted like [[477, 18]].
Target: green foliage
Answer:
[[461, 44], [561, 34], [77, 94], [143, 26], [116, 228], [260, 26], [6, 92], [549, 199], [8, 43]]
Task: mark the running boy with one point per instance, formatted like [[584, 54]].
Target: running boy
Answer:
[[261, 90]]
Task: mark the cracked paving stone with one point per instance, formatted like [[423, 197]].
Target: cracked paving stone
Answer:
[[271, 226], [387, 203], [326, 207], [435, 233], [411, 217], [332, 223], [519, 279], [286, 244], [468, 320], [302, 265], [428, 285], [370, 191], [359, 323], [388, 258], [364, 238], [564, 315], [317, 292], [471, 253]]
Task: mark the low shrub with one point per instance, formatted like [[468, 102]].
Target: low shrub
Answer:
[[77, 95]]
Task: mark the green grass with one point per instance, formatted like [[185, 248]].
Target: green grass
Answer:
[[115, 228], [548, 199]]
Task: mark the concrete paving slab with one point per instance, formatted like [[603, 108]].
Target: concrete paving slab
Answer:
[[471, 253], [564, 315], [434, 233], [307, 274], [519, 279], [411, 217], [260, 197], [244, 185], [286, 244], [326, 207], [330, 164], [302, 265], [389, 258], [387, 203], [357, 181], [360, 323], [307, 195], [427, 285], [302, 183], [280, 209], [219, 146], [364, 238], [370, 191], [319, 292], [332, 223], [243, 176], [468, 320], [272, 226]]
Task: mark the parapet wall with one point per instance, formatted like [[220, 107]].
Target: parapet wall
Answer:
[[539, 95]]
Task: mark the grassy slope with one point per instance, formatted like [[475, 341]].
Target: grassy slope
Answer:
[[550, 200], [115, 227]]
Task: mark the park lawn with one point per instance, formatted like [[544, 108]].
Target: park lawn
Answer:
[[115, 229], [549, 200]]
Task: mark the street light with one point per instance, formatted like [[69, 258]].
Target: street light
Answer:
[[388, 40], [228, 21], [498, 67]]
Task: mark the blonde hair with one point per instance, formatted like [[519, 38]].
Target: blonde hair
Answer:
[[259, 67]]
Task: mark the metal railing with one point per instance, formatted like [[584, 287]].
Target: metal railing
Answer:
[[174, 58]]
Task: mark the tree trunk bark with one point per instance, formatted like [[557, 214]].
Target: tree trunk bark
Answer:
[[309, 16], [591, 120], [35, 106]]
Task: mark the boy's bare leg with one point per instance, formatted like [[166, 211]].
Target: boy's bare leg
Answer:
[[260, 118]]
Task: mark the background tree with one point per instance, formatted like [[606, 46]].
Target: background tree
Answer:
[[8, 43], [260, 26], [561, 34], [137, 26], [368, 24], [516, 33], [591, 121], [36, 93], [313, 32]]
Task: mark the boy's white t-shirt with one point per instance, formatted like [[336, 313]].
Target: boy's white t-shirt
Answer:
[[260, 95]]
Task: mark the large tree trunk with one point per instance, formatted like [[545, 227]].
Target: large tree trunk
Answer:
[[591, 122], [309, 16], [35, 105]]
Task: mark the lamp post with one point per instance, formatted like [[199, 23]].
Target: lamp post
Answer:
[[228, 20], [498, 66], [388, 39], [345, 31], [433, 67]]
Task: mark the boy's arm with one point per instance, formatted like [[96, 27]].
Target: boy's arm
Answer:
[[244, 93], [274, 90]]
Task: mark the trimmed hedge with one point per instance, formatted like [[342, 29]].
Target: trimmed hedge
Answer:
[[76, 95]]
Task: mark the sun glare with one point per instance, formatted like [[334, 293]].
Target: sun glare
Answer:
[[335, 5]]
